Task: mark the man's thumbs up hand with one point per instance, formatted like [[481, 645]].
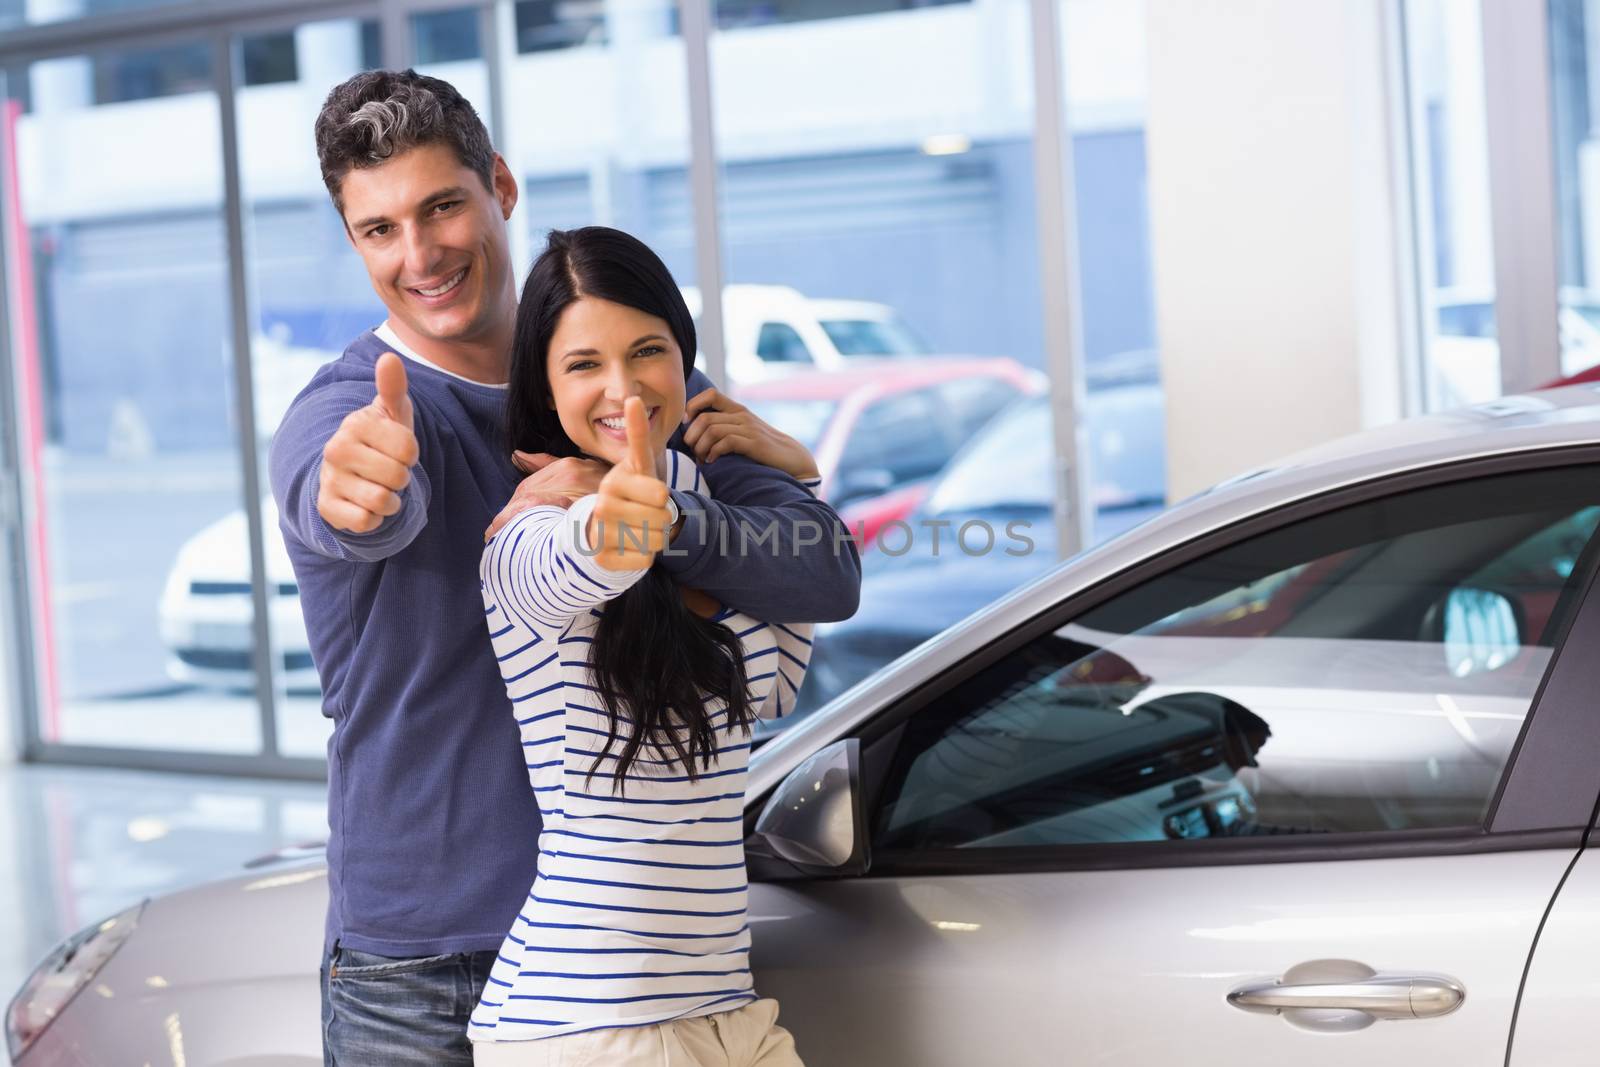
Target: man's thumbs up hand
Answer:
[[368, 460], [629, 523], [393, 399]]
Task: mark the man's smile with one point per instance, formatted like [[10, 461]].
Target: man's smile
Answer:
[[441, 290]]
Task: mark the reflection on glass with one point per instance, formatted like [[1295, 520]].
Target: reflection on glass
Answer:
[[1450, 168], [124, 344], [1362, 671]]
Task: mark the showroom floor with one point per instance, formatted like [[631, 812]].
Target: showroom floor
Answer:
[[89, 842]]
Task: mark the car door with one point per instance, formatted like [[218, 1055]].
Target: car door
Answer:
[[1338, 757]]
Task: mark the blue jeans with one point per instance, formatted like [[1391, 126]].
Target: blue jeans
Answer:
[[378, 1011]]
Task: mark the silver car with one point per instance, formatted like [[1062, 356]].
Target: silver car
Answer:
[[1301, 771]]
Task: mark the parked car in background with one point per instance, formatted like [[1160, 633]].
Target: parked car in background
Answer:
[[206, 614], [921, 581], [884, 424], [1127, 435], [1294, 773], [771, 330]]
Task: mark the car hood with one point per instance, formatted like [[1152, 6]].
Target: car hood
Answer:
[[278, 910]]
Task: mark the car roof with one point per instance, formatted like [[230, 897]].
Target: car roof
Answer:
[[885, 375], [829, 308]]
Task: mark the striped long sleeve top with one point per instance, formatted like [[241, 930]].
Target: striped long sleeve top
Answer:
[[637, 913]]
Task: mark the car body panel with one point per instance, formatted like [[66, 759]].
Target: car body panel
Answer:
[[1559, 995], [221, 975], [1134, 967]]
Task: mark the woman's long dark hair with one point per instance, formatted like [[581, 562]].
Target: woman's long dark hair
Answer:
[[655, 662]]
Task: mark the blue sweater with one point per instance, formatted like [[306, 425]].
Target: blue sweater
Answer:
[[432, 828]]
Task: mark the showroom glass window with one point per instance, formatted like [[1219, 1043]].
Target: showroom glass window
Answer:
[[121, 341], [615, 153], [1575, 99], [1365, 670], [1450, 182]]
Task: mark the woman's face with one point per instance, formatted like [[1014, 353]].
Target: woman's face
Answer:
[[601, 354]]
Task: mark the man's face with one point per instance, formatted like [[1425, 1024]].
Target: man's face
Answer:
[[602, 353], [434, 243]]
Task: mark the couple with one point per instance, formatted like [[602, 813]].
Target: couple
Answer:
[[598, 636]]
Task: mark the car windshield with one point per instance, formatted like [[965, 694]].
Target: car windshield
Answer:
[[873, 337], [804, 420], [1018, 443]]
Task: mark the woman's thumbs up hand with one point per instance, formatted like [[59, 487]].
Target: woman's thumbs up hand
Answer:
[[629, 524]]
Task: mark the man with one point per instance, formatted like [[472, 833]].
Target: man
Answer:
[[387, 471]]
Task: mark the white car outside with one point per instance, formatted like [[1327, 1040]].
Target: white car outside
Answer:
[[206, 612], [770, 330]]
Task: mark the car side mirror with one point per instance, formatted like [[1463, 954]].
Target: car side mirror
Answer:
[[815, 819], [1481, 631]]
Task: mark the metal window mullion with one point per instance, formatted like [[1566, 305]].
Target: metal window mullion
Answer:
[[120, 28], [1522, 190], [695, 21], [489, 42], [396, 45], [21, 669], [1405, 198], [244, 389], [213, 763], [1058, 283]]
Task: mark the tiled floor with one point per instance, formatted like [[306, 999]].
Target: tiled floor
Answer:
[[79, 844]]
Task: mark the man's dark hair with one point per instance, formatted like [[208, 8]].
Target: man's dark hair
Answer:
[[378, 114], [656, 664]]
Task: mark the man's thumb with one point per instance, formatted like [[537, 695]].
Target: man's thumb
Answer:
[[392, 395]]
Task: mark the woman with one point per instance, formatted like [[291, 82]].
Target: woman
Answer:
[[634, 697]]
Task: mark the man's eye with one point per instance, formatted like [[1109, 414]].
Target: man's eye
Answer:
[[379, 231], [446, 205]]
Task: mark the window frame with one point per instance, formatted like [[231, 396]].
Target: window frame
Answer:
[[1546, 797]]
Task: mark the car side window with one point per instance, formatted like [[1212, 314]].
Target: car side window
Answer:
[[779, 342], [900, 435], [1367, 669]]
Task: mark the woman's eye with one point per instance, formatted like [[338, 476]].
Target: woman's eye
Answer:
[[582, 364], [650, 350]]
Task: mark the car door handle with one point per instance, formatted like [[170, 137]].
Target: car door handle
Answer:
[[1383, 996]]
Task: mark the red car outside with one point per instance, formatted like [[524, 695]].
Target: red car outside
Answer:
[[882, 429]]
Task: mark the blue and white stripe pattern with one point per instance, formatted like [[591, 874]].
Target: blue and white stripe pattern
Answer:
[[637, 913]]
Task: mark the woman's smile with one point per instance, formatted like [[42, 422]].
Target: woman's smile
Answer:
[[612, 426]]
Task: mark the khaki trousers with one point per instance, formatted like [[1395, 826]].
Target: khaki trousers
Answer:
[[745, 1037]]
